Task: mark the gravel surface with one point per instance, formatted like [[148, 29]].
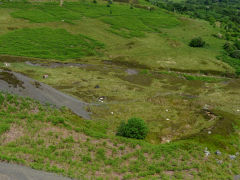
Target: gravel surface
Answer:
[[21, 85], [16, 172]]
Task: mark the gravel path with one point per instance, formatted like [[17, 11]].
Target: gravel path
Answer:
[[21, 85], [16, 172]]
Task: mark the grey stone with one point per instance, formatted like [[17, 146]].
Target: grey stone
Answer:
[[237, 177], [16, 172], [219, 161], [218, 152], [232, 157], [131, 71]]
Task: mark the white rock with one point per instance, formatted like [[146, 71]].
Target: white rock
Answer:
[[111, 112], [45, 76], [166, 110], [167, 119], [209, 132], [207, 153], [6, 64]]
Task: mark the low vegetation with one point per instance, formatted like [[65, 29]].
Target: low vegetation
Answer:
[[55, 140]]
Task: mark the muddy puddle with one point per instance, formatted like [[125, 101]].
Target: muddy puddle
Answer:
[[55, 64]]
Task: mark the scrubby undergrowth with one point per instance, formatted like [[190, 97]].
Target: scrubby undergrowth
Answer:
[[54, 140]]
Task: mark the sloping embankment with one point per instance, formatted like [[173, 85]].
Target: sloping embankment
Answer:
[[21, 85]]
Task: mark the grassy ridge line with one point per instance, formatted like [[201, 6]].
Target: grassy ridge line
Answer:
[[53, 140]]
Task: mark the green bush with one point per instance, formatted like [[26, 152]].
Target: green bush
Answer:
[[235, 54], [229, 47], [197, 42], [135, 128]]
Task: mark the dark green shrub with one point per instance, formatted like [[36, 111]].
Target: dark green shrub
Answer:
[[237, 44], [197, 42], [235, 54], [135, 128], [229, 47]]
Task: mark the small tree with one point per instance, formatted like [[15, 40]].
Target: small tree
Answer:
[[197, 42], [135, 128]]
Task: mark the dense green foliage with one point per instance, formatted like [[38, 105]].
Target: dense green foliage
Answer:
[[226, 12], [197, 42], [134, 128], [223, 14], [48, 43], [235, 54], [232, 49]]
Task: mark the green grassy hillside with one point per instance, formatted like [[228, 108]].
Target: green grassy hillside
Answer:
[[140, 62], [155, 38]]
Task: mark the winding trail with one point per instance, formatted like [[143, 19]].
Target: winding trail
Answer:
[[17, 172], [21, 85]]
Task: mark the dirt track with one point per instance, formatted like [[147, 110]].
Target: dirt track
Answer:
[[21, 85], [16, 172]]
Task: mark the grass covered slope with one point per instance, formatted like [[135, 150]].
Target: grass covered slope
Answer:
[[156, 38], [118, 16], [57, 141], [47, 43], [139, 64], [171, 103]]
